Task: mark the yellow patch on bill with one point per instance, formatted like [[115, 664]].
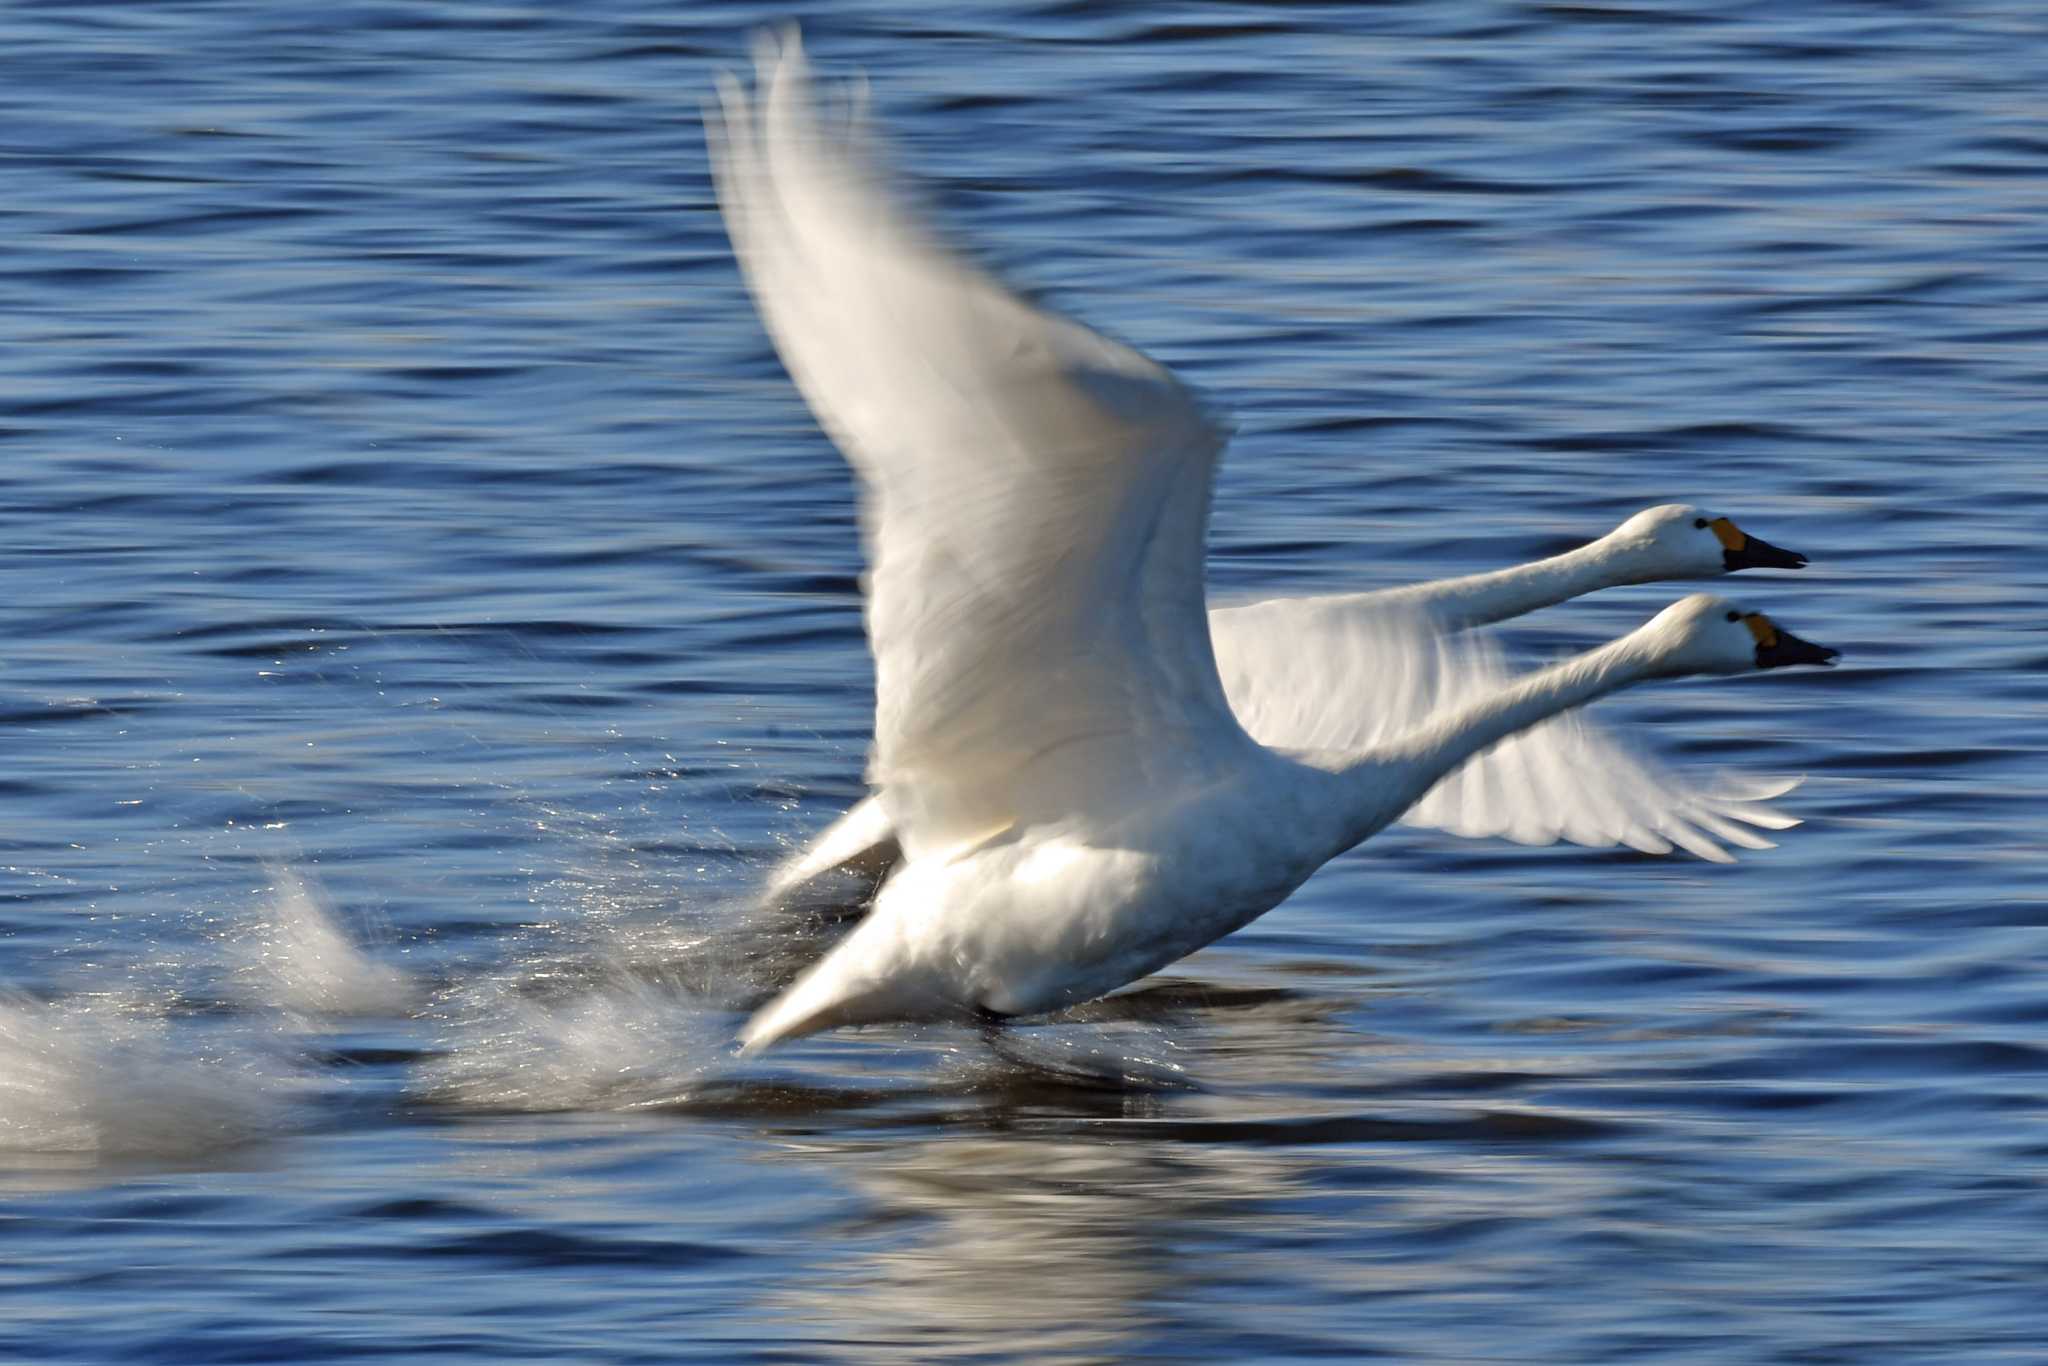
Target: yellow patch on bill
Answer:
[[1727, 533], [1760, 626]]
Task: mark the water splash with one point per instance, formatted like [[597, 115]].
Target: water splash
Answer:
[[595, 1036], [629, 1004], [296, 957], [113, 1077]]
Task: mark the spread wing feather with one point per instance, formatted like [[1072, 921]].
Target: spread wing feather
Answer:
[[1034, 495], [1327, 674]]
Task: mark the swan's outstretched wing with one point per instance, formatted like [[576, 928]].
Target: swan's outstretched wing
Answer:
[[1330, 674], [1034, 495]]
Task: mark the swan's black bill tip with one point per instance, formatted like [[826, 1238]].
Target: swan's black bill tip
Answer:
[[1786, 648], [1756, 553]]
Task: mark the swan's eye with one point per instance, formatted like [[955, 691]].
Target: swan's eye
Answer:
[[1735, 616], [1700, 523]]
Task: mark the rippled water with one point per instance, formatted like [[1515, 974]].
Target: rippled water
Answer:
[[429, 608]]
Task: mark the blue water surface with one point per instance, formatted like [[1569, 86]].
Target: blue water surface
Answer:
[[429, 609]]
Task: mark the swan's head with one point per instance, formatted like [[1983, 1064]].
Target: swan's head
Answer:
[[1680, 541], [1704, 634]]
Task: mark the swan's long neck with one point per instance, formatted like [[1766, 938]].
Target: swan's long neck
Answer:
[[1384, 782], [1480, 599]]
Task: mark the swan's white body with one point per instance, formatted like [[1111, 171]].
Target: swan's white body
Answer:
[[1076, 801]]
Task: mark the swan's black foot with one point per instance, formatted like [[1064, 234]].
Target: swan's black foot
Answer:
[[992, 1025], [1058, 1060]]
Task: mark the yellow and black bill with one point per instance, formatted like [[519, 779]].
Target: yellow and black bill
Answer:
[[1776, 647], [1740, 550]]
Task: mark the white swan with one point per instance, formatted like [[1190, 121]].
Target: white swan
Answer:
[[1347, 668], [1076, 802]]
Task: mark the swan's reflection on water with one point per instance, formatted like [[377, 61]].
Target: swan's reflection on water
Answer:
[[1061, 1249], [1079, 1190], [1035, 1221], [1070, 1189]]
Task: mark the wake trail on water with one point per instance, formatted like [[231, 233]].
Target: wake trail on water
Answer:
[[242, 1034], [247, 1036], [166, 1069]]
